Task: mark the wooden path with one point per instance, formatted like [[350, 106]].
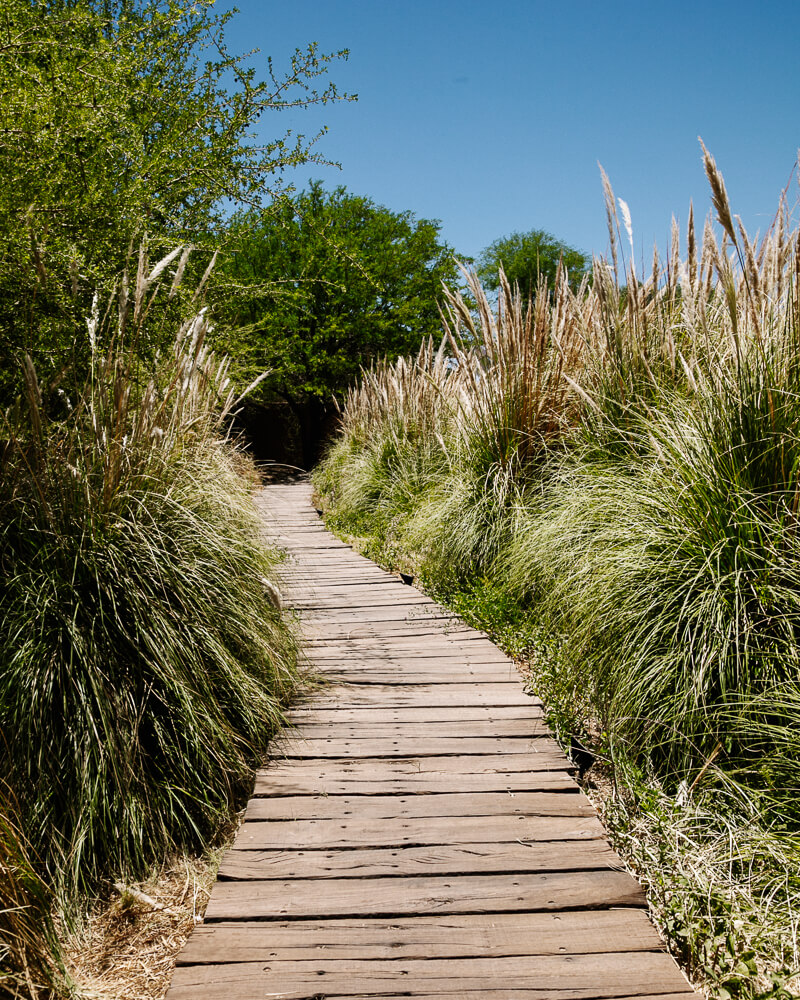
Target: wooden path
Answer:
[[419, 833]]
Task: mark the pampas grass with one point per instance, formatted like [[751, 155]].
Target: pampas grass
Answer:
[[622, 465], [585, 430], [142, 669]]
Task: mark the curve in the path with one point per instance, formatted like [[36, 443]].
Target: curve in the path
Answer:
[[418, 832]]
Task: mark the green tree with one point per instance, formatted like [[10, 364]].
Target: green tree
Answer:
[[527, 258], [323, 284], [122, 118]]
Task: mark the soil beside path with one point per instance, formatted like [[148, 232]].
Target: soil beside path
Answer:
[[418, 832]]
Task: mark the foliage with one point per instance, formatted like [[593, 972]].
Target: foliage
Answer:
[[529, 259], [122, 118], [31, 965], [326, 282], [141, 668], [621, 462]]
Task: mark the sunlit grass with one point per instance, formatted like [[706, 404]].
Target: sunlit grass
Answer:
[[623, 464]]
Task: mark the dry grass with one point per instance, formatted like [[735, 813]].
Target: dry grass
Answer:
[[626, 458], [128, 946]]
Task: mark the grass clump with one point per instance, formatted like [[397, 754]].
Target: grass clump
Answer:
[[613, 473], [142, 669], [31, 962]]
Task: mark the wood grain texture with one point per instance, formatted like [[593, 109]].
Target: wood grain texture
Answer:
[[298, 897], [421, 776], [416, 832], [417, 746], [347, 715], [395, 807], [574, 977], [443, 936], [440, 859], [343, 695]]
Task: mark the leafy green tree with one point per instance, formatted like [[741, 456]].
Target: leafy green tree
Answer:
[[324, 283], [527, 258], [122, 118]]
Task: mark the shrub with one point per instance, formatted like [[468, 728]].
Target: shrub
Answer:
[[141, 668]]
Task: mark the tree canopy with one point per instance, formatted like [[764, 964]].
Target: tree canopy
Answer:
[[324, 283], [527, 258], [120, 119]]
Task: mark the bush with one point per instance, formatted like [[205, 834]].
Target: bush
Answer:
[[142, 669]]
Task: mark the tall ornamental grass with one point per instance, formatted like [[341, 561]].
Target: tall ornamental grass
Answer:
[[624, 459], [620, 465], [142, 670], [31, 966]]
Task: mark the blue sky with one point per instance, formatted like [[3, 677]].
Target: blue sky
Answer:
[[492, 116]]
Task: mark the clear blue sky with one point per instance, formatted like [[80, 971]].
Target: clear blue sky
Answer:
[[492, 116]]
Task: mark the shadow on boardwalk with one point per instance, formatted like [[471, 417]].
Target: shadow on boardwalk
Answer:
[[419, 832]]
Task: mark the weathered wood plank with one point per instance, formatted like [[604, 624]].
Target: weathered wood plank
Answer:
[[366, 715], [443, 665], [424, 657], [385, 597], [414, 746], [365, 768], [453, 936], [315, 634], [574, 977], [408, 612], [326, 806], [390, 675], [413, 832], [424, 775], [443, 859], [372, 729], [385, 897], [428, 695]]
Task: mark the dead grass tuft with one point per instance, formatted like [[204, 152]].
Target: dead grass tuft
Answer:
[[129, 944]]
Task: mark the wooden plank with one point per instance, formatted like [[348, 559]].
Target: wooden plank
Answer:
[[425, 695], [351, 832], [401, 632], [367, 808], [639, 974], [419, 767], [391, 730], [487, 675], [220, 989], [419, 657], [424, 650], [413, 747], [384, 586], [452, 936], [403, 636], [440, 859], [398, 777], [380, 783], [385, 597], [366, 715], [409, 611], [443, 664], [386, 897], [331, 582]]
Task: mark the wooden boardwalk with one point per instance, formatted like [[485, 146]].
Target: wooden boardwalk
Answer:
[[419, 833]]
